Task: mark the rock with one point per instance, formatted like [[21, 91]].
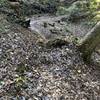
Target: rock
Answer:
[[22, 98], [45, 98], [29, 74]]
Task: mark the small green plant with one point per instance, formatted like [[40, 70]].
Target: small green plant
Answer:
[[19, 81]]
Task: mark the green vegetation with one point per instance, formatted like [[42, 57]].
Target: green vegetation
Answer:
[[76, 7], [43, 48]]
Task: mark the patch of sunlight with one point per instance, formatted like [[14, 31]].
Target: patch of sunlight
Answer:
[[97, 17], [98, 1]]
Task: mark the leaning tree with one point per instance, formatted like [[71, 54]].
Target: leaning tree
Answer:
[[90, 42]]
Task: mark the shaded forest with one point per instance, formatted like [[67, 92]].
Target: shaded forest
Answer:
[[49, 49]]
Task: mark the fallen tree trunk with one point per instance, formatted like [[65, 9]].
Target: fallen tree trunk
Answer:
[[89, 42]]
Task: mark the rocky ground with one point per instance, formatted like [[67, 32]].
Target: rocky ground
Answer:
[[33, 66]]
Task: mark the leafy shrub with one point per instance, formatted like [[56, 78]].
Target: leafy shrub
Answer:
[[76, 7]]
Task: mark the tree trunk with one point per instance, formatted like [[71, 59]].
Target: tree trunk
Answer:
[[89, 42]]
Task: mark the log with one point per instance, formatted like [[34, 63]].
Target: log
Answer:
[[90, 42]]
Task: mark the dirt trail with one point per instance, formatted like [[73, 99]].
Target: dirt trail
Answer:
[[37, 23], [57, 25]]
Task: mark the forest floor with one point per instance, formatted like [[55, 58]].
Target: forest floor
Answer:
[[32, 69]]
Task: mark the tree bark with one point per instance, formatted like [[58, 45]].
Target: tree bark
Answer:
[[90, 42]]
